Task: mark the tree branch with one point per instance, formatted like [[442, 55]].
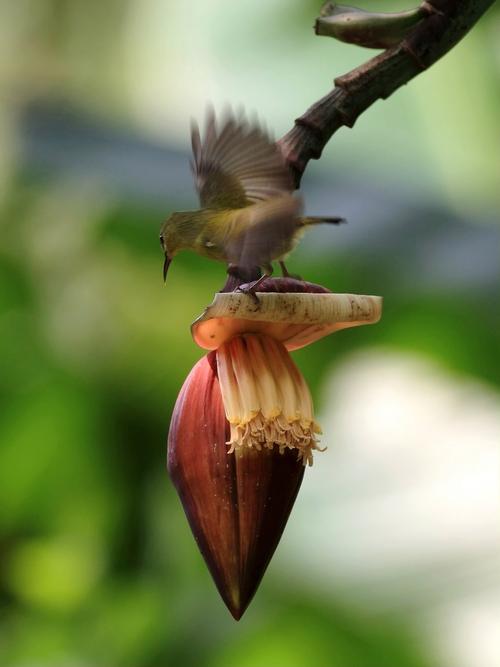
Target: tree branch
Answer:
[[378, 78]]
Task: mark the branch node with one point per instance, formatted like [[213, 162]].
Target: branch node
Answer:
[[355, 79], [429, 8], [311, 125], [342, 81], [316, 138], [407, 48], [347, 119]]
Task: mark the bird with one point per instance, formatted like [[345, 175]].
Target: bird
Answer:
[[249, 216]]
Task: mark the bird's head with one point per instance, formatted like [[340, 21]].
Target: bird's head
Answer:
[[171, 239]]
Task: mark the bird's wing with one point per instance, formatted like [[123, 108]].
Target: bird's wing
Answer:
[[263, 232], [237, 164]]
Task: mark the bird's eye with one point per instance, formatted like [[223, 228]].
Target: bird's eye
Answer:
[[162, 240]]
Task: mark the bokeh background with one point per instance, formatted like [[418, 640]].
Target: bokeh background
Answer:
[[391, 556]]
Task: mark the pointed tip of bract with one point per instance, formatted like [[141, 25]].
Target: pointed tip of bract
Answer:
[[237, 613], [236, 609], [231, 596], [238, 596]]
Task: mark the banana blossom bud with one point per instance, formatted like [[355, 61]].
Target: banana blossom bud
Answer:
[[243, 426]]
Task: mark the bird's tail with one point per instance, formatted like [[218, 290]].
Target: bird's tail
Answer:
[[318, 220]]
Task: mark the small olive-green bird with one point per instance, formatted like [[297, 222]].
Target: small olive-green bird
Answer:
[[249, 216]]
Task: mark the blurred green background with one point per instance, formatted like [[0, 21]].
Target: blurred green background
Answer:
[[391, 554]]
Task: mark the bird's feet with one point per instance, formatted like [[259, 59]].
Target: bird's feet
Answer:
[[285, 273], [251, 288]]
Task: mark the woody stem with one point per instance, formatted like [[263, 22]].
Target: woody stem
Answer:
[[447, 23]]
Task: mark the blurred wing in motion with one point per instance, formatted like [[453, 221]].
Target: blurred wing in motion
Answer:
[[237, 164], [267, 232]]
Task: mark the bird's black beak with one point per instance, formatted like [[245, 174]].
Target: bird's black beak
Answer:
[[166, 264]]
